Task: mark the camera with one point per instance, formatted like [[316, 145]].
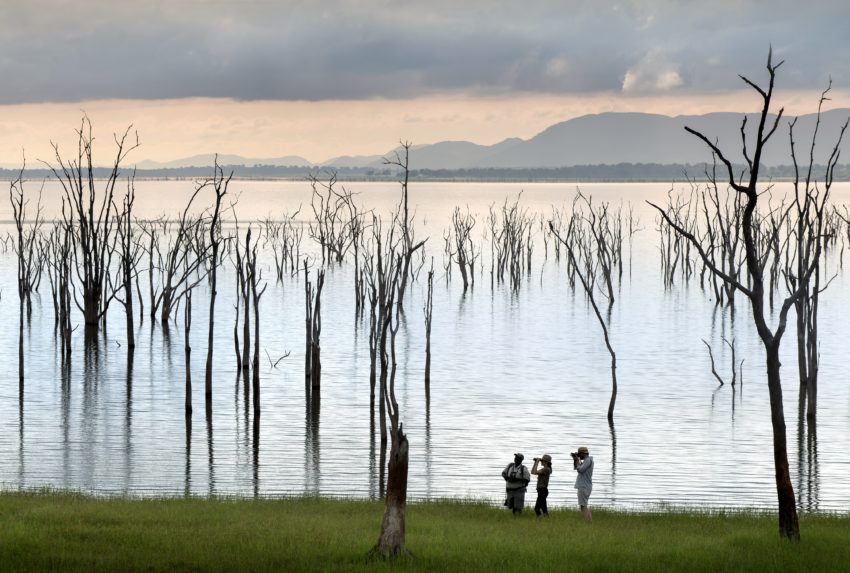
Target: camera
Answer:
[[536, 459], [574, 454]]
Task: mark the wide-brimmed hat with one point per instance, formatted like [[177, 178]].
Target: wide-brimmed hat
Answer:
[[583, 450], [547, 458]]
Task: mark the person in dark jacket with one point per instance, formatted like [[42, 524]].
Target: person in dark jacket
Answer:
[[516, 478], [542, 468]]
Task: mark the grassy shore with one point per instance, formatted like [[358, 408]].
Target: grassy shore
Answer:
[[42, 532]]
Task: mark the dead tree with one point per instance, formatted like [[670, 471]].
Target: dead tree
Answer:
[[387, 282], [180, 267], [335, 218], [313, 322], [60, 245], [218, 184], [747, 184], [460, 247], [254, 277], [403, 216], [90, 215], [187, 326], [510, 242], [810, 238], [27, 240], [129, 256], [429, 314], [585, 262], [29, 259]]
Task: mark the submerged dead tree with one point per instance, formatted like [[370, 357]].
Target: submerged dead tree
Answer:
[[313, 327], [218, 184], [809, 238], [129, 256], [747, 185], [89, 214], [29, 259], [584, 260], [460, 248]]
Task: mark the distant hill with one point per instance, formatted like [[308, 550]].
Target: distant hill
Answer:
[[207, 159], [612, 145], [615, 138]]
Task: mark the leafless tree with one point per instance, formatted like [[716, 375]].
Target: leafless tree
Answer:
[[401, 159], [460, 246], [429, 314], [809, 239], [219, 184], [756, 256], [129, 255], [90, 215], [386, 281], [313, 322], [582, 256], [29, 257]]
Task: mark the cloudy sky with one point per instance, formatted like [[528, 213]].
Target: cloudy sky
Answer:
[[267, 78]]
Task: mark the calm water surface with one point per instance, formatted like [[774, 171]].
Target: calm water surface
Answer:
[[511, 371]]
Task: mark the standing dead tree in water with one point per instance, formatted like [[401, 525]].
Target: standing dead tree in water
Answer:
[[59, 247], [27, 241], [583, 258], [285, 236], [332, 228], [254, 277], [29, 258], [674, 249], [510, 242], [809, 237], [429, 315], [218, 183], [604, 229], [187, 348], [403, 218], [129, 256], [180, 267], [90, 215], [313, 322], [460, 247], [756, 256]]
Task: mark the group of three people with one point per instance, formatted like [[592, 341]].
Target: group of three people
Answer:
[[517, 477]]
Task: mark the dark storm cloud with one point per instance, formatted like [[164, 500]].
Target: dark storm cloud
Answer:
[[57, 50]]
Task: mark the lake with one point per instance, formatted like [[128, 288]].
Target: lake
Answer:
[[512, 370]]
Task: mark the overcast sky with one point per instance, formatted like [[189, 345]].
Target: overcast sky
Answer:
[[428, 70]]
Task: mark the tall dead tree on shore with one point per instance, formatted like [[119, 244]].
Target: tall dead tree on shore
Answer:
[[756, 252], [385, 278]]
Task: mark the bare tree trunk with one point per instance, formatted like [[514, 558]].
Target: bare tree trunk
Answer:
[[219, 184], [392, 537], [429, 311], [789, 526], [187, 316]]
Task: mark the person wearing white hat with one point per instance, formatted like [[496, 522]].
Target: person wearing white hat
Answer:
[[583, 464]]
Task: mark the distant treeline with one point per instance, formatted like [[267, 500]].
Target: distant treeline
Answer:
[[626, 172]]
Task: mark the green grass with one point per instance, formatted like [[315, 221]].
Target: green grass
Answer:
[[56, 531]]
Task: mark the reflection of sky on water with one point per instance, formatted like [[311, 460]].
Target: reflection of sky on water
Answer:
[[510, 372]]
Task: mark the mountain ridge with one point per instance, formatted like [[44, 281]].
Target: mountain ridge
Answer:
[[592, 139]]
